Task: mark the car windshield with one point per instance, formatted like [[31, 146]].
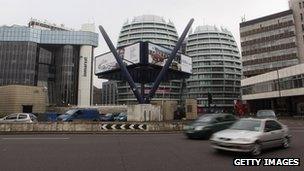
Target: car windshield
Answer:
[[248, 125], [70, 112], [265, 113], [109, 114], [205, 119]]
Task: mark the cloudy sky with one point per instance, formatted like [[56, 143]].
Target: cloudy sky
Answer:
[[113, 13]]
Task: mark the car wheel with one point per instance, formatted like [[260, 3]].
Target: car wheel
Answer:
[[286, 142], [256, 149]]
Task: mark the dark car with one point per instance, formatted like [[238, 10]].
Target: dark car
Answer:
[[107, 117], [80, 115], [122, 117], [206, 125]]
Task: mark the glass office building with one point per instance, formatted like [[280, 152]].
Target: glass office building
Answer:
[[47, 58], [216, 64]]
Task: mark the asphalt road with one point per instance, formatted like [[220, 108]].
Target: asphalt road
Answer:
[[127, 152]]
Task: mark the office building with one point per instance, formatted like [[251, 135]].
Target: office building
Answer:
[[109, 93], [53, 57], [216, 64], [269, 43]]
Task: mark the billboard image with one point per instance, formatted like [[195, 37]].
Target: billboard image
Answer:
[[158, 55], [107, 62]]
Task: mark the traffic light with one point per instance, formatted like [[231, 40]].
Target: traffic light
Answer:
[[209, 99]]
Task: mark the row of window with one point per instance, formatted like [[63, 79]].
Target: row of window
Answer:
[[269, 49], [268, 28], [269, 86], [268, 38], [213, 82]]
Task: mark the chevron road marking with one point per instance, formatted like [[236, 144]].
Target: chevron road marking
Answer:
[[104, 127], [113, 126], [123, 126], [131, 126]]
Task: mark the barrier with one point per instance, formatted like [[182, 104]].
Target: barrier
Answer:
[[58, 127]]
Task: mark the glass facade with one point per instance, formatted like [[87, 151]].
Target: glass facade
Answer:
[[44, 58], [22, 33], [216, 64]]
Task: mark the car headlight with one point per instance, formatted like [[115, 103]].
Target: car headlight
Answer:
[[243, 139], [198, 128]]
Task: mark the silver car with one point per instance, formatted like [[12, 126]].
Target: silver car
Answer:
[[19, 118], [252, 135]]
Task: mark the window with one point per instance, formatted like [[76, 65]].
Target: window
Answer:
[[272, 126], [22, 116], [11, 117], [300, 5], [301, 16]]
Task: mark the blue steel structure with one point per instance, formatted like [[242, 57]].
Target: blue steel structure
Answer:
[[140, 96]]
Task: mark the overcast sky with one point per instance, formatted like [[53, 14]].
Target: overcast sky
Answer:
[[113, 13]]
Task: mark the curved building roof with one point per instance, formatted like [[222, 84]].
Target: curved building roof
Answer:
[[148, 28]]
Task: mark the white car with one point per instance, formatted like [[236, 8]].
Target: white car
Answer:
[[19, 118], [252, 135]]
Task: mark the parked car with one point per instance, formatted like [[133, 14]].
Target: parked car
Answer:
[[252, 136], [206, 125], [122, 117], [19, 118], [80, 115], [266, 114], [107, 117]]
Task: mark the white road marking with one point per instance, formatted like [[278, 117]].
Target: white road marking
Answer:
[[35, 138]]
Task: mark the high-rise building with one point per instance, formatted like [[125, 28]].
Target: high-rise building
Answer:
[[216, 64], [269, 43], [109, 93], [156, 30], [57, 59]]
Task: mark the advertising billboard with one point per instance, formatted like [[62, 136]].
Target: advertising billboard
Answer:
[[158, 55], [107, 62]]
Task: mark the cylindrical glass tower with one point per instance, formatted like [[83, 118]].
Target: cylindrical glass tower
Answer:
[[216, 67]]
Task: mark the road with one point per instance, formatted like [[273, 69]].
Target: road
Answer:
[[130, 152]]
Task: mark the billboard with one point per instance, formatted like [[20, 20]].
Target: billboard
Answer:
[[107, 62], [150, 54], [158, 55]]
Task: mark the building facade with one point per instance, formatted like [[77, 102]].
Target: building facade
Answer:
[[22, 99], [109, 93], [297, 7], [217, 67], [281, 90], [59, 60], [156, 30], [269, 43]]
